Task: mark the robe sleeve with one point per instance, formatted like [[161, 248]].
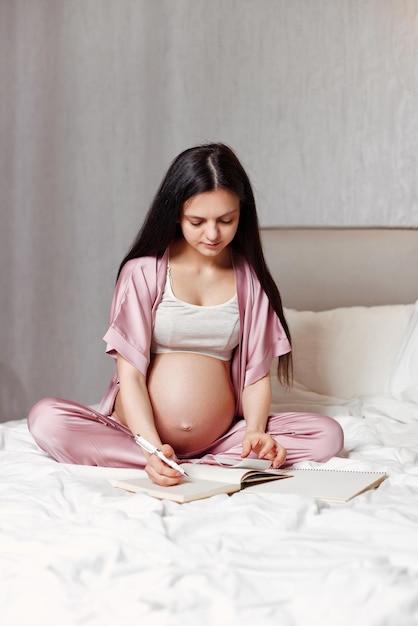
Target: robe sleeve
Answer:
[[264, 336], [130, 329]]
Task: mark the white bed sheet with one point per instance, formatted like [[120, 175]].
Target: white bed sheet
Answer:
[[74, 550]]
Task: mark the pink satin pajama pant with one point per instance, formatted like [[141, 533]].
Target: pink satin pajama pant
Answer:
[[74, 433]]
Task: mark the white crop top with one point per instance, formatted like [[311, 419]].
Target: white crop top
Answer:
[[183, 327]]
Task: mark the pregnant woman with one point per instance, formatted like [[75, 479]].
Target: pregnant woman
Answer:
[[195, 322]]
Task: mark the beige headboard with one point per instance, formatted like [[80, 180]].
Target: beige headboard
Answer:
[[323, 268]]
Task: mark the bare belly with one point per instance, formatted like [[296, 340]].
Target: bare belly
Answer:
[[192, 398]]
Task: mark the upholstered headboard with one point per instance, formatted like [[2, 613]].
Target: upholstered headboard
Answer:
[[323, 268]]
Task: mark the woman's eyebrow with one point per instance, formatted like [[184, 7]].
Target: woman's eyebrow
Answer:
[[198, 217]]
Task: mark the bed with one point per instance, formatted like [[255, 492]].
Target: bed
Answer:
[[77, 551]]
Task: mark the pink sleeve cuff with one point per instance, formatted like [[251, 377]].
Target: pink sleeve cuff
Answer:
[[116, 343], [262, 368]]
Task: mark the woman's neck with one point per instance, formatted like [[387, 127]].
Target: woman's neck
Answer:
[[181, 251]]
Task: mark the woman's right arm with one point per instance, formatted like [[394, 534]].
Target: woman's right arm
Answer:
[[133, 407], [134, 402]]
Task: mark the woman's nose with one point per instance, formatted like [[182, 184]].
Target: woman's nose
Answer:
[[212, 231]]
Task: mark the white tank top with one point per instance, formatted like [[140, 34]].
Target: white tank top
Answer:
[[183, 327]]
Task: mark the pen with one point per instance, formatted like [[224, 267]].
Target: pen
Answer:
[[149, 447]]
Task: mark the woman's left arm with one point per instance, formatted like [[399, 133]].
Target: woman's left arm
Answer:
[[256, 400]]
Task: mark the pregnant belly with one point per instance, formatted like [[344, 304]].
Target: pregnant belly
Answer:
[[192, 398]]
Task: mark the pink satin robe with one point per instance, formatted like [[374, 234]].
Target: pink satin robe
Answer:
[[73, 433]]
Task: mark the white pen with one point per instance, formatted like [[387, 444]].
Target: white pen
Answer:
[[149, 447]]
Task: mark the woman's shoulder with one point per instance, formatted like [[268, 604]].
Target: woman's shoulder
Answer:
[[143, 264], [141, 271], [138, 263]]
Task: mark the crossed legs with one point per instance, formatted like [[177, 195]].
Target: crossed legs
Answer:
[[74, 433]]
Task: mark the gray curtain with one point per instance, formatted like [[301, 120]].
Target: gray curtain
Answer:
[[318, 98]]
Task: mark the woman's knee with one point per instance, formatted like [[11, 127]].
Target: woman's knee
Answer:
[[41, 418], [331, 442]]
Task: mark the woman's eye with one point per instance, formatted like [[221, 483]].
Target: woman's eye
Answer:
[[196, 224]]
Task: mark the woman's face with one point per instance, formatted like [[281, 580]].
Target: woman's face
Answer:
[[209, 220]]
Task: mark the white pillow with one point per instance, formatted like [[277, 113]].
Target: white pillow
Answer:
[[344, 353], [405, 371]]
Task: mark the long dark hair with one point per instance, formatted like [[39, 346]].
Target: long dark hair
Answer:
[[196, 170]]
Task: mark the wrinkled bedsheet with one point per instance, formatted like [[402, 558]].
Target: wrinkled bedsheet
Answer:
[[74, 550]]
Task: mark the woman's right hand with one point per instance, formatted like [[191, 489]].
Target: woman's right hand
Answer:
[[161, 473]]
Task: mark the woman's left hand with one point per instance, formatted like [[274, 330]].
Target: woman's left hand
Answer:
[[264, 446]]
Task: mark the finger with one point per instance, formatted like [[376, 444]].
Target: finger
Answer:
[[162, 473], [257, 444], [280, 457], [164, 480], [268, 449], [271, 455], [167, 450], [246, 449]]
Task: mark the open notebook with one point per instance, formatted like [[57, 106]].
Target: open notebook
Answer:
[[330, 485], [207, 480], [210, 480]]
